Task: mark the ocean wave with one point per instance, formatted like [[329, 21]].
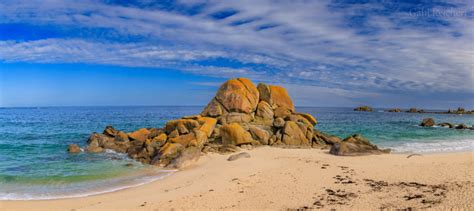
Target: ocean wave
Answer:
[[434, 146], [69, 192]]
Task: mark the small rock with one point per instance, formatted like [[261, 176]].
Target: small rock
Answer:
[[446, 124], [238, 156], [73, 148], [279, 122], [462, 126], [427, 122]]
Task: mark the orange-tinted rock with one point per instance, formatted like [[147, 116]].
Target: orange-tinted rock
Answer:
[[264, 111], [309, 117], [121, 137], [207, 125], [167, 153], [73, 148], [259, 134], [234, 134], [238, 95], [94, 149], [110, 131], [200, 138], [279, 122], [282, 112], [280, 97], [183, 126], [235, 117], [213, 109], [140, 135], [160, 138], [292, 134], [264, 91], [184, 140], [275, 96], [173, 134]]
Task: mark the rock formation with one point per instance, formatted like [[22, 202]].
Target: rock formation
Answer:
[[241, 115], [363, 108]]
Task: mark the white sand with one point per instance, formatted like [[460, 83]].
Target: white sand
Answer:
[[275, 178]]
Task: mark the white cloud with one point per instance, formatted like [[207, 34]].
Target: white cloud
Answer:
[[310, 44]]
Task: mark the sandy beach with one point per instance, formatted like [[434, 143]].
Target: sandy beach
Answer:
[[276, 178]]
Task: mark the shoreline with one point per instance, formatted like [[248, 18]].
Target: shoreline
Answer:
[[171, 172], [295, 170]]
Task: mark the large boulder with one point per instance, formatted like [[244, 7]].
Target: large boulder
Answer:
[[234, 117], [282, 112], [121, 136], [293, 135], [279, 122], [355, 145], [185, 158], [98, 140], [234, 134], [323, 138], [185, 140], [110, 131], [264, 111], [412, 110], [207, 125], [276, 96], [427, 122], [183, 126], [214, 109], [259, 134], [167, 153], [235, 95], [140, 135], [308, 117]]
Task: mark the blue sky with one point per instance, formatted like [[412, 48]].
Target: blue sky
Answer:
[[384, 53]]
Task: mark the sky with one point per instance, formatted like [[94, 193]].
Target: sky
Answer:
[[345, 53]]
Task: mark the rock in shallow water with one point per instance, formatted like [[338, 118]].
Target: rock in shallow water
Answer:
[[427, 122], [73, 148]]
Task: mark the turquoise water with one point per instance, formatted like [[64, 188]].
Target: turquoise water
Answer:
[[34, 163]]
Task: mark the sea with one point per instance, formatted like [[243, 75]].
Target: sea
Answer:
[[35, 165]]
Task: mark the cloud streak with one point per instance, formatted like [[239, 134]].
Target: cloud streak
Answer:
[[375, 46]]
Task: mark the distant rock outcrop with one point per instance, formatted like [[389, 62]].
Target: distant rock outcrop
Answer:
[[395, 110], [241, 115], [363, 108]]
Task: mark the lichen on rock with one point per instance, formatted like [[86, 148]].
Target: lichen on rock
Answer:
[[240, 115]]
